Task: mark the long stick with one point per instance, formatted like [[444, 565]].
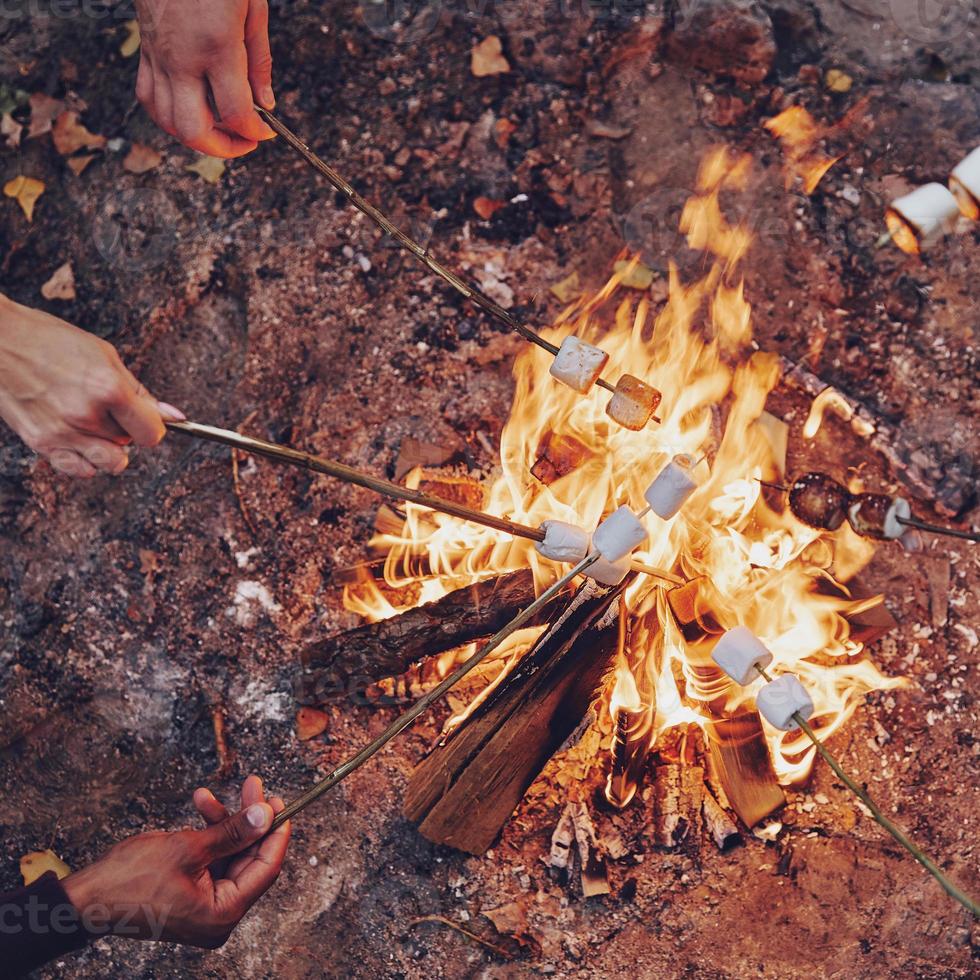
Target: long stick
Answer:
[[372, 748], [862, 794], [467, 289], [340, 471], [950, 532]]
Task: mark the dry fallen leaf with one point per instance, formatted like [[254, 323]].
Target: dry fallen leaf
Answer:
[[25, 191], [141, 158], [635, 274], [70, 135], [487, 208], [131, 45], [78, 164], [567, 289], [32, 866], [210, 168], [487, 58], [310, 723], [12, 129], [61, 285], [44, 111]]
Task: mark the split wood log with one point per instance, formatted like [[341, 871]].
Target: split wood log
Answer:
[[345, 664], [678, 793], [464, 791], [718, 823]]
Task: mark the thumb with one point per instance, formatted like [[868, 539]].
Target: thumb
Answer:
[[259, 53], [236, 833]]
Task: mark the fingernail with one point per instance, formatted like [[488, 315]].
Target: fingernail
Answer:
[[257, 816], [268, 98], [170, 413]]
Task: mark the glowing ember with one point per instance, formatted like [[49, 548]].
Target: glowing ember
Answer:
[[756, 567]]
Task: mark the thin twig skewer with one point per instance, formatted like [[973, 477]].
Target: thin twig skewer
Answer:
[[395, 729], [467, 289], [862, 794], [950, 532], [340, 471]]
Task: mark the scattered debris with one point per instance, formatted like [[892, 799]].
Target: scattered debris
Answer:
[[25, 191]]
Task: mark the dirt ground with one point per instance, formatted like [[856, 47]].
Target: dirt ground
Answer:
[[126, 620]]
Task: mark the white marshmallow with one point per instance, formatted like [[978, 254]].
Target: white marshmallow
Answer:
[[563, 542], [608, 572], [778, 700], [578, 364], [965, 184], [619, 535], [672, 488], [739, 653], [894, 528], [931, 211]]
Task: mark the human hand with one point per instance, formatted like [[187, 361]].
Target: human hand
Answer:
[[193, 51], [192, 886], [67, 394]]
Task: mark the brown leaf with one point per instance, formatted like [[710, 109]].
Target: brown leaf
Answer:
[[487, 208], [141, 158], [150, 561], [78, 164], [33, 865], [12, 129], [502, 132], [61, 285], [70, 135], [131, 45], [210, 168], [44, 111], [487, 58], [310, 722], [25, 191]]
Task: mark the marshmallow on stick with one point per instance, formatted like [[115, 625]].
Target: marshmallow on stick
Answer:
[[619, 535], [578, 364], [563, 542], [964, 182], [673, 486], [741, 655], [780, 699], [921, 218], [876, 515], [633, 403]]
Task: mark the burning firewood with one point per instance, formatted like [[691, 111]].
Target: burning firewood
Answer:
[[463, 792], [342, 664], [557, 456]]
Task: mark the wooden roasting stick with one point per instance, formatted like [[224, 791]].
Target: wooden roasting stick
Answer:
[[340, 471], [862, 794], [471, 292], [420, 706]]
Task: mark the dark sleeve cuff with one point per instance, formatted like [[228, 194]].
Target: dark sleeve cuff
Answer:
[[37, 924]]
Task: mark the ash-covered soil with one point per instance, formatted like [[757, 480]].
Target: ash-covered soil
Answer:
[[134, 610]]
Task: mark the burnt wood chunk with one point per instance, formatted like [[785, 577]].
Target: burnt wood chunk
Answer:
[[464, 791], [349, 661]]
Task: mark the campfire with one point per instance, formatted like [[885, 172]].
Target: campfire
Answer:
[[631, 665]]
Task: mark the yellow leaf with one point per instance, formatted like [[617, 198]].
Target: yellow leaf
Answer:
[[131, 45], [32, 866], [636, 274], [210, 168], [70, 135], [141, 158], [567, 289], [837, 80], [487, 58], [25, 191], [61, 285]]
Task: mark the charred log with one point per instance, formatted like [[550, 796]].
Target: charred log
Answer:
[[463, 792]]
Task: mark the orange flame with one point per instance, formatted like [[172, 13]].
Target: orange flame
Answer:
[[760, 568]]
